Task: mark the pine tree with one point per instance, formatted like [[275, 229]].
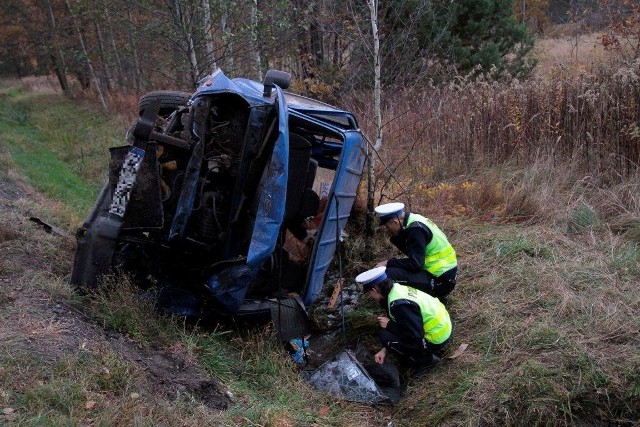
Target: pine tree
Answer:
[[484, 33]]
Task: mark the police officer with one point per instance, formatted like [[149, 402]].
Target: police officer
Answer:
[[431, 264], [416, 326]]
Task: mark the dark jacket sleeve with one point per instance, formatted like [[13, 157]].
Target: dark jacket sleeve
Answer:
[[413, 243], [408, 321]]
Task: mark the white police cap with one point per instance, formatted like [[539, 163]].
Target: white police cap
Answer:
[[389, 210], [372, 277]]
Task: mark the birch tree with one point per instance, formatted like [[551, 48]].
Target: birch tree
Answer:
[[377, 111], [210, 60], [185, 24], [255, 48], [227, 38]]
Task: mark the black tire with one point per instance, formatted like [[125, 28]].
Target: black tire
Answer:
[[170, 101]]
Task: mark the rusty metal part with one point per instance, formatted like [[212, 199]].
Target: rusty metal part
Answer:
[[143, 131], [170, 140]]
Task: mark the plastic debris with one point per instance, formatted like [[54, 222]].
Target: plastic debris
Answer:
[[297, 347], [344, 377]]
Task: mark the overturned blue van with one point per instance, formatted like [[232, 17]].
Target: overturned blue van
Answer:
[[228, 199]]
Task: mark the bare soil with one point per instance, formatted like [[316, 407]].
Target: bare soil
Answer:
[[35, 321]]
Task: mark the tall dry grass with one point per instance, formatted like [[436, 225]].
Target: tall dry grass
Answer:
[[590, 120]]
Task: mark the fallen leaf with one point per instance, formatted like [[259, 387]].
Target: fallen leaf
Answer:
[[8, 411], [90, 404], [459, 351], [336, 293], [238, 419], [324, 411]]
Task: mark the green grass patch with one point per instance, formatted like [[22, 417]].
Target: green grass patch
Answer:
[[533, 394], [626, 258], [118, 305], [520, 245], [448, 397], [61, 148], [543, 337], [582, 217], [52, 177], [86, 388]]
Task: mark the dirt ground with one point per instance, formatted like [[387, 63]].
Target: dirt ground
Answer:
[[34, 322]]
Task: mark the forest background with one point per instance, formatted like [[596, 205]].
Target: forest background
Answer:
[[530, 164]]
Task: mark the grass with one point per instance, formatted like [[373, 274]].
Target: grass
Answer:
[[119, 306], [60, 148], [98, 389]]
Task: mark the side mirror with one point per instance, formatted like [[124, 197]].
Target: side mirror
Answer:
[[275, 77]]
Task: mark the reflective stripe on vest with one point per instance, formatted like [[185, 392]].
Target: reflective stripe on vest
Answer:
[[439, 254], [435, 318]]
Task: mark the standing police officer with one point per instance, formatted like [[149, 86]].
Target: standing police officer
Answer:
[[431, 264], [416, 326]]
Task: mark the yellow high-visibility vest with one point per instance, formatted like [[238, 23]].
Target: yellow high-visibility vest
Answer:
[[435, 317], [439, 254]]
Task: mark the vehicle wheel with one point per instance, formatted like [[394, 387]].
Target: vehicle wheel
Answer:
[[170, 101]]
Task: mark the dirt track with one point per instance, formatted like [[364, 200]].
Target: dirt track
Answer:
[[36, 322]]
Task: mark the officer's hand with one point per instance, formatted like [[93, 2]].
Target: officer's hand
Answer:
[[383, 320], [381, 355], [382, 264]]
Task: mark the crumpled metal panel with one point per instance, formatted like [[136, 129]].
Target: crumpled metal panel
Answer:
[[218, 82]]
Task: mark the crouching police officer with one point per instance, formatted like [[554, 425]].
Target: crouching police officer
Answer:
[[431, 264], [417, 325]]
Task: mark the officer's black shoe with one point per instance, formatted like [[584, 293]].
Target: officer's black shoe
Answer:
[[424, 367]]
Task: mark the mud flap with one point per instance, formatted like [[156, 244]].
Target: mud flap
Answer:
[[290, 318]]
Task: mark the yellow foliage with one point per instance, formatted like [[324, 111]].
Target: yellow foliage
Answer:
[[467, 198]]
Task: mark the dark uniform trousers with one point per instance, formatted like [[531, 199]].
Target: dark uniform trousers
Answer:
[[438, 287], [412, 352]]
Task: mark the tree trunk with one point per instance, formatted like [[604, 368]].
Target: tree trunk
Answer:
[[137, 72], [210, 60], [61, 75], [56, 55], [86, 55], [227, 40], [255, 48], [195, 71], [118, 66], [186, 30], [377, 96], [103, 58]]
